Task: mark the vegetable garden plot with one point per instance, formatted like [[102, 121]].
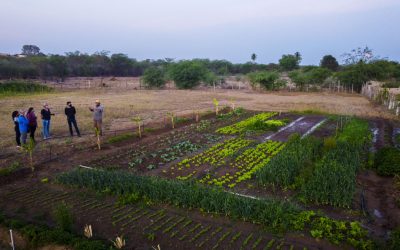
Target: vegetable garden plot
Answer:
[[203, 162], [166, 148], [275, 214], [253, 123], [242, 167], [144, 226]]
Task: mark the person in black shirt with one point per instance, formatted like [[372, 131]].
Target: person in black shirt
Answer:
[[15, 115], [70, 113], [46, 116]]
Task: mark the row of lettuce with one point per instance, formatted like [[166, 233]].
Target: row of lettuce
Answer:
[[276, 215]]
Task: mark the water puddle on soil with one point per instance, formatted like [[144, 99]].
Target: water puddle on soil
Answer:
[[375, 133]]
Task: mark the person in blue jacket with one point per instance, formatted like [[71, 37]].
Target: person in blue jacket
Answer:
[[15, 115], [23, 127]]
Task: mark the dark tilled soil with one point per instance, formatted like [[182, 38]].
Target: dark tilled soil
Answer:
[[380, 197], [142, 226], [300, 126]]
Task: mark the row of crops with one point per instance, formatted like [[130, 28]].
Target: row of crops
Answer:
[[276, 215], [227, 163], [148, 221], [323, 171], [255, 122]]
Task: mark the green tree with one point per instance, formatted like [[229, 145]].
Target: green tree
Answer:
[[329, 62], [299, 78], [312, 76], [154, 77], [265, 79], [290, 62], [358, 55], [121, 65], [253, 57], [354, 75], [59, 66], [30, 50], [41, 63], [210, 78], [187, 74], [318, 75]]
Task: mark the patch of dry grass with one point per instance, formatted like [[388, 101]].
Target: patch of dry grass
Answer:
[[152, 105]]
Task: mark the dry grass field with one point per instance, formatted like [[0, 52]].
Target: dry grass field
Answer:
[[123, 104]]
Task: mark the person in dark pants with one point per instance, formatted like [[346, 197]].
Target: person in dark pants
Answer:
[[46, 116], [14, 116], [70, 112], [23, 127], [32, 122]]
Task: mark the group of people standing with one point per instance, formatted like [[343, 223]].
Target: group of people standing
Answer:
[[26, 122]]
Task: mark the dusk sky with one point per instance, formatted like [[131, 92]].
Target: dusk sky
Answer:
[[215, 29]]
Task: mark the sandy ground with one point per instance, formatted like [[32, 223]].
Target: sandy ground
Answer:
[[122, 105]]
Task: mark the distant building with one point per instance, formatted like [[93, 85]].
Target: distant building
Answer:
[[20, 55], [15, 55]]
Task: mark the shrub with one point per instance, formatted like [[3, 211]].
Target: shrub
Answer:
[[187, 74], [390, 85], [387, 161], [154, 77], [290, 62], [16, 87], [266, 79]]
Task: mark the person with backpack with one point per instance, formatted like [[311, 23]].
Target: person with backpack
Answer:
[[31, 116], [70, 112], [15, 115], [46, 117], [23, 124]]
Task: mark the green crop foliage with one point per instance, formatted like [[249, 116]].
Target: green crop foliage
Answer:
[[394, 241], [333, 180], [184, 194], [288, 164], [387, 161], [11, 88], [214, 156], [121, 137], [38, 236], [63, 217], [10, 169], [246, 164], [256, 122], [274, 214], [167, 154]]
